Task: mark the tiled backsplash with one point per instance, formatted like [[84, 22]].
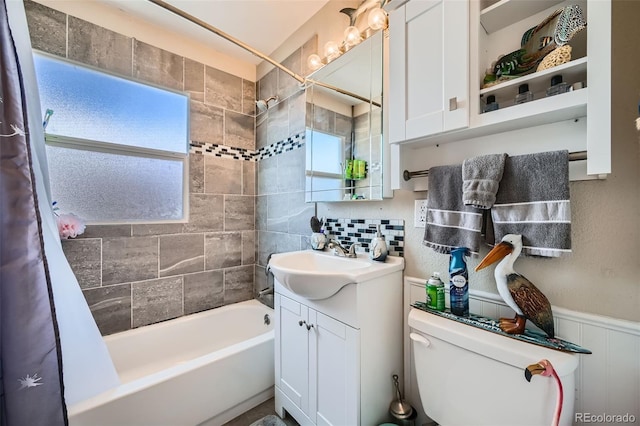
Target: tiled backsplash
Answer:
[[277, 148], [349, 231]]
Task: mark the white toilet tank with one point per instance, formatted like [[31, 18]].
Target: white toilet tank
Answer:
[[468, 376]]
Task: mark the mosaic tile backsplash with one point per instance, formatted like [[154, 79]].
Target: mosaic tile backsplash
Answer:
[[289, 144], [349, 231]]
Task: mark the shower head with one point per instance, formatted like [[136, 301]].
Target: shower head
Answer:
[[263, 104]]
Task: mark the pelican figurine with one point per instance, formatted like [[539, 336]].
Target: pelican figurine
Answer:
[[518, 292], [545, 369]]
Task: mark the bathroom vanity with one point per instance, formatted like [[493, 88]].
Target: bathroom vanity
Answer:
[[335, 356]]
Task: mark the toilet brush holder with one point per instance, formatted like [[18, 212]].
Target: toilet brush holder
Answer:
[[399, 408]]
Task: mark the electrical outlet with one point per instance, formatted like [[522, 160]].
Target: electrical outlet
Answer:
[[420, 214]]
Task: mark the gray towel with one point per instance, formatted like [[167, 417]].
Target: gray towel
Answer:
[[450, 223], [533, 201], [481, 178]]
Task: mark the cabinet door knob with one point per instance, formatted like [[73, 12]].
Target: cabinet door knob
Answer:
[[453, 104], [301, 323], [309, 327]]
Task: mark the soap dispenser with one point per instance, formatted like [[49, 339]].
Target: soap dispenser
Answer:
[[378, 249]]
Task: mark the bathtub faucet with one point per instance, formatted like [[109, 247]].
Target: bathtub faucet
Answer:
[[339, 250], [263, 292]]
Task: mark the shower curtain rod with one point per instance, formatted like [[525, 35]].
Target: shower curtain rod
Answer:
[[302, 80], [407, 175]]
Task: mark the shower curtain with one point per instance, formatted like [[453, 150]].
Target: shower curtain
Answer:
[[51, 352]]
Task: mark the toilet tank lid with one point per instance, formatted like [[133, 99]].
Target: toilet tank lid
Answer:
[[501, 348]]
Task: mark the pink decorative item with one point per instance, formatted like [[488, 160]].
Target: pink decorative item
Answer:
[[545, 369], [69, 225]]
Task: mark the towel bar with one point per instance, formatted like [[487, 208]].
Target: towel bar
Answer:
[[573, 156]]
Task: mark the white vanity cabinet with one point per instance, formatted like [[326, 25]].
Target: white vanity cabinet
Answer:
[[335, 357], [429, 68]]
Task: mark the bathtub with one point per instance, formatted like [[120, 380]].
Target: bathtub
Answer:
[[205, 368]]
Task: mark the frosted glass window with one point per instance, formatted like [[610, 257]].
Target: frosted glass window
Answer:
[[117, 149], [93, 105], [111, 187]]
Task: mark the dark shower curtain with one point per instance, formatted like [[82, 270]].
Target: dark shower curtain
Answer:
[[31, 383]]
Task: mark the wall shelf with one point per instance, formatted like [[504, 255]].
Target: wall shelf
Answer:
[[506, 12]]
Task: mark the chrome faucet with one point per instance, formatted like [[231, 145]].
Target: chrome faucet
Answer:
[[339, 250], [263, 292]]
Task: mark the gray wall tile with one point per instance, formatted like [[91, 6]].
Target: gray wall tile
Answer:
[[100, 231], [157, 66], [223, 90], [278, 212], [288, 85], [194, 79], [196, 173], [262, 206], [238, 284], [239, 130], [299, 213], [278, 122], [268, 85], [99, 47], [267, 175], [291, 170], [297, 113], [222, 250], [248, 97], [181, 254], [239, 212], [249, 177], [205, 213], [157, 229], [202, 291], [47, 28], [110, 307], [262, 124], [222, 175], [129, 259], [267, 244], [156, 300], [207, 123], [85, 257], [248, 247]]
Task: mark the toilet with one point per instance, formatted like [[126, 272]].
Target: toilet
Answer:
[[469, 376]]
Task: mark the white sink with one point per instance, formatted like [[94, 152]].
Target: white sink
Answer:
[[319, 275]]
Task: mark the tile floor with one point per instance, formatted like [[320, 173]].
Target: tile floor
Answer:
[[266, 408]]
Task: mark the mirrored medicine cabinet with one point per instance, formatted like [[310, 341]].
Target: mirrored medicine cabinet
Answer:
[[344, 126]]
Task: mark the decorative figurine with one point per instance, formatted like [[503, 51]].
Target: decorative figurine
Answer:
[[318, 239], [519, 293], [555, 31], [544, 368]]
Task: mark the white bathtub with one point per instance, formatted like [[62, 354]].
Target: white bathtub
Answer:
[[203, 368]]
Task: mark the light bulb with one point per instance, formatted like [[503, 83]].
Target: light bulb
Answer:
[[331, 50], [314, 62], [377, 18], [352, 36]]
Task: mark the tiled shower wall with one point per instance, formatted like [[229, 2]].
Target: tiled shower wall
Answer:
[[133, 275]]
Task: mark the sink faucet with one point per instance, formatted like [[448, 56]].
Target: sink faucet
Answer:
[[339, 250]]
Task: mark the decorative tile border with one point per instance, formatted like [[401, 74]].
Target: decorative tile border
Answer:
[[289, 144], [349, 231]]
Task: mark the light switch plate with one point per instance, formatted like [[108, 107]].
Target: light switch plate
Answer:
[[420, 214]]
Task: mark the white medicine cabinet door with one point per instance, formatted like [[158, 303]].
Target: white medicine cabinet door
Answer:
[[429, 68]]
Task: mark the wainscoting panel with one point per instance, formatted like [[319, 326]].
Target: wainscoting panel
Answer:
[[607, 381]]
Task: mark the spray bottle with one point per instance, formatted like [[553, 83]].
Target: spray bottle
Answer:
[[458, 282]]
